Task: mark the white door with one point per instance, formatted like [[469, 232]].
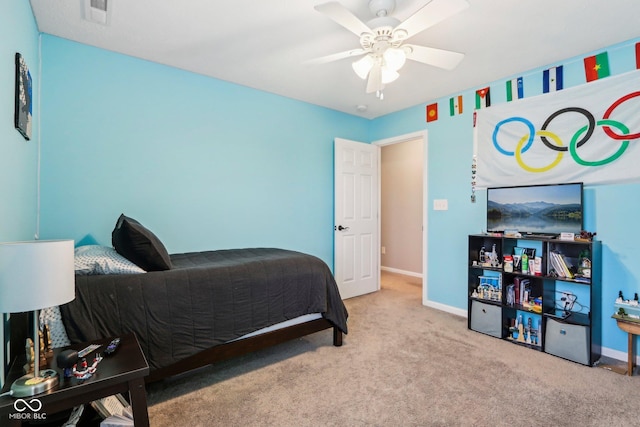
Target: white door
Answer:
[[356, 261]]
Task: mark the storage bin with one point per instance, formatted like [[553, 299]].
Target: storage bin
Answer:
[[567, 341], [486, 318]]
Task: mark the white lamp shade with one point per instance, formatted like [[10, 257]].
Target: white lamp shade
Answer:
[[363, 66], [394, 58], [388, 75], [35, 275]]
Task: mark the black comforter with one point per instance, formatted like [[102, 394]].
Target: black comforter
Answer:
[[206, 299]]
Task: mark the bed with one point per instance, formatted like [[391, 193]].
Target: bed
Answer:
[[206, 306]]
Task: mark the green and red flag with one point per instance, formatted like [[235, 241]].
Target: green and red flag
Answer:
[[596, 66]]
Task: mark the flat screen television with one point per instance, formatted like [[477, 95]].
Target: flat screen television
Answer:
[[548, 209]]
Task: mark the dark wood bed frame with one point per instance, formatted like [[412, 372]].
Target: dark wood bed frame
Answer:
[[244, 346], [19, 327]]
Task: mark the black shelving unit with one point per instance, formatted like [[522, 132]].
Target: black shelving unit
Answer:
[[538, 310]]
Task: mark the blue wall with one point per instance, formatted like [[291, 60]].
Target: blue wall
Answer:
[[18, 157], [207, 164], [610, 210], [203, 163]]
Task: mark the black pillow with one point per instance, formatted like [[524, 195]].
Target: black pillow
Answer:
[[139, 245]]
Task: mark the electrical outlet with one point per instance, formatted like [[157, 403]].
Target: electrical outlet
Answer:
[[383, 250], [440, 205]]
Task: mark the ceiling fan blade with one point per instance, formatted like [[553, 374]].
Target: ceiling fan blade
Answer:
[[437, 57], [374, 82], [430, 14], [336, 56], [344, 17]]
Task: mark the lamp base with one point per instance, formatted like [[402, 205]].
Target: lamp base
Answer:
[[28, 385]]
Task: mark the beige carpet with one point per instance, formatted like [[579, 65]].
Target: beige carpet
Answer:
[[402, 364]]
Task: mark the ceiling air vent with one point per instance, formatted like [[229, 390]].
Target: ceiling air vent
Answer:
[[97, 11]]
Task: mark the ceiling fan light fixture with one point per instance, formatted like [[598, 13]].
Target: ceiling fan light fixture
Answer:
[[394, 58], [382, 39], [388, 75], [363, 66]]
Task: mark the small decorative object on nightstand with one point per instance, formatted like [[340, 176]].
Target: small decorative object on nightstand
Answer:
[[124, 372]]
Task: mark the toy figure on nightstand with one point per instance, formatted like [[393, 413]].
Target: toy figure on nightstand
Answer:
[[30, 353]]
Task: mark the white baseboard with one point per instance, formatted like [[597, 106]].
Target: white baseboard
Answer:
[[398, 271], [619, 355], [607, 352], [446, 308]]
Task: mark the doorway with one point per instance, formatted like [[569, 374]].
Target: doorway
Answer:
[[403, 213]]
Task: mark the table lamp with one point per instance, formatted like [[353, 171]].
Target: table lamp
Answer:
[[35, 275]]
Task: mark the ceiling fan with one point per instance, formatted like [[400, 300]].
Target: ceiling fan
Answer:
[[382, 39]]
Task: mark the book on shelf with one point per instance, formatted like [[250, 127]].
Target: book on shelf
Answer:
[[114, 410], [511, 295], [560, 265], [117, 421], [525, 291], [554, 264], [569, 269], [521, 287]]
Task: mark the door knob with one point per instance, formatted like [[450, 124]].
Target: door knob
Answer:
[[341, 228]]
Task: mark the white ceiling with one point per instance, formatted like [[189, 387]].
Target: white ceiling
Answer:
[[263, 44]]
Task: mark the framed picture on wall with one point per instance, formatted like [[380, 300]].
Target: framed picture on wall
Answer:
[[24, 100]]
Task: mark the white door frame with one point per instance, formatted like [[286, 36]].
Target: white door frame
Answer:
[[425, 212]]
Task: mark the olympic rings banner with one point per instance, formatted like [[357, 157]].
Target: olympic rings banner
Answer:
[[589, 133]]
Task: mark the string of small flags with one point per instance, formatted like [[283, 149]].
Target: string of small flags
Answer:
[[595, 67]]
